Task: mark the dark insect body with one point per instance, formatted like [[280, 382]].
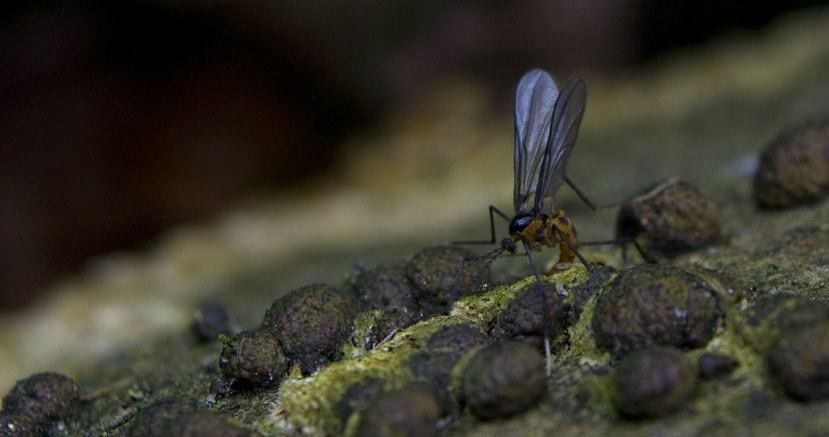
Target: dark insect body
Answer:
[[546, 126]]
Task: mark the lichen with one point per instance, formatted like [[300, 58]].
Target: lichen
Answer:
[[308, 402]]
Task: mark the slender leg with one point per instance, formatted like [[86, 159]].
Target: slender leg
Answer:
[[624, 254], [623, 242], [645, 255], [580, 194], [587, 201], [492, 209], [545, 312], [565, 241]]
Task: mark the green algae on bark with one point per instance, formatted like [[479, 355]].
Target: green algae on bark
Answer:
[[444, 350], [309, 401], [655, 305], [581, 385]]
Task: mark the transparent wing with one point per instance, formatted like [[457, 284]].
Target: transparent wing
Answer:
[[534, 100], [564, 128]]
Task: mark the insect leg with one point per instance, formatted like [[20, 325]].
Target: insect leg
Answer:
[[580, 194], [623, 242], [545, 312], [644, 253], [492, 209], [564, 241], [587, 201], [624, 254]]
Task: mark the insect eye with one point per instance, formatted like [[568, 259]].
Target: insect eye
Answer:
[[520, 222]]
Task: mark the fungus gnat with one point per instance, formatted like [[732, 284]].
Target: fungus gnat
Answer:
[[546, 126]]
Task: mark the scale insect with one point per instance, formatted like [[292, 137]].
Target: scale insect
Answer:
[[546, 126]]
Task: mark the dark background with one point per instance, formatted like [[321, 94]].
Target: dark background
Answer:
[[119, 119]]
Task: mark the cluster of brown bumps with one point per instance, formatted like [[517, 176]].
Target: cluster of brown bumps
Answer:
[[644, 317]]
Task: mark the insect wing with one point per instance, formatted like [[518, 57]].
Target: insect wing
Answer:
[[564, 128], [534, 100]]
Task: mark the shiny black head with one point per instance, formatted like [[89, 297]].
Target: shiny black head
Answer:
[[520, 222]]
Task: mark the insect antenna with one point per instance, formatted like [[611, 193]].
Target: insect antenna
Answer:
[[492, 210]]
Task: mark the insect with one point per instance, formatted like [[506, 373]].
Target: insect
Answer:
[[546, 126]]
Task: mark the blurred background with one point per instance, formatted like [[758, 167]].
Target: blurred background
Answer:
[[121, 119]]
